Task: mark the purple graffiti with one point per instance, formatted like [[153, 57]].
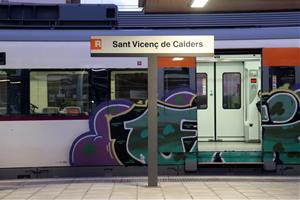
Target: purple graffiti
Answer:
[[95, 147]]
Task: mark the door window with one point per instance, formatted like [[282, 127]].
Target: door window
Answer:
[[231, 90], [202, 91]]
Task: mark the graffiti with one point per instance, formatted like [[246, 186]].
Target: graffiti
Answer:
[[280, 113], [217, 157], [118, 132], [95, 146], [229, 156]]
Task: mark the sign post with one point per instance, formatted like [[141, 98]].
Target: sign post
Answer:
[[152, 121], [152, 47]]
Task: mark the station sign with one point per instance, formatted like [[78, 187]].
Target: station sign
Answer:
[[152, 44]]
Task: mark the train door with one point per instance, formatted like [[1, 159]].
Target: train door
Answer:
[[223, 111], [227, 93], [229, 97]]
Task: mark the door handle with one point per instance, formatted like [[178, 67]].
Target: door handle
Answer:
[[211, 93]]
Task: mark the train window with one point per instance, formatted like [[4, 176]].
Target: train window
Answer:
[[202, 91], [130, 85], [99, 86], [59, 92], [13, 89], [175, 78], [282, 78], [3, 92], [231, 90]]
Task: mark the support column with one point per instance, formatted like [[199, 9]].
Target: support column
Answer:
[[152, 121]]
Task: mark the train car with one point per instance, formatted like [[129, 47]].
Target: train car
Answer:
[[62, 108]]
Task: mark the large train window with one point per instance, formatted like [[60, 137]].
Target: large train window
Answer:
[[282, 77], [59, 92], [3, 92], [131, 85], [231, 90], [175, 78]]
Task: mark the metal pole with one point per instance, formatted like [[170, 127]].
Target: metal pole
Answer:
[[152, 121]]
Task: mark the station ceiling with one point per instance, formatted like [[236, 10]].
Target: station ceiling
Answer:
[[183, 6]]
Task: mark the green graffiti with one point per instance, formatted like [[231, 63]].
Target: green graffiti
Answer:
[[282, 139], [173, 139], [178, 100], [281, 132], [89, 149], [112, 110], [282, 107], [236, 156], [294, 154], [144, 133], [168, 129], [277, 109], [278, 147]]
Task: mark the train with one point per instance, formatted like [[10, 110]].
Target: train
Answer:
[[61, 107]]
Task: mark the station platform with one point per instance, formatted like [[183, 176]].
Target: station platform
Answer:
[[170, 187]]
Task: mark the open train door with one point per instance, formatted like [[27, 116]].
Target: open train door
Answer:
[[177, 122], [229, 128]]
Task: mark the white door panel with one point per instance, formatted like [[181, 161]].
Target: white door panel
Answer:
[[229, 101], [205, 111]]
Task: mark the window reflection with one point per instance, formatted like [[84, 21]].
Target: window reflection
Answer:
[[282, 78], [59, 92], [175, 78], [129, 85]]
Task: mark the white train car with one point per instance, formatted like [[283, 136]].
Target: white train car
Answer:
[[52, 92]]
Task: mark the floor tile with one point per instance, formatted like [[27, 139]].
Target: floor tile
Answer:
[[216, 189]]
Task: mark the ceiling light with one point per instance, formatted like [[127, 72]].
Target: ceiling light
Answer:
[[177, 59], [198, 3]]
